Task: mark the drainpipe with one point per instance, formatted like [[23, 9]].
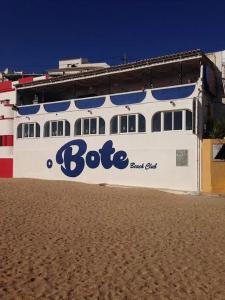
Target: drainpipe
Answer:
[[199, 129]]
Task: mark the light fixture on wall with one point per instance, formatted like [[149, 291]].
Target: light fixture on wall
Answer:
[[90, 112], [14, 107], [173, 103], [144, 87], [127, 107], [28, 118]]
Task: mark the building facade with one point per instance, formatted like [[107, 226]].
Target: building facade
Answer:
[[139, 124]]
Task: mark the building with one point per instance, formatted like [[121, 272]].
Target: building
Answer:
[[75, 66], [136, 124]]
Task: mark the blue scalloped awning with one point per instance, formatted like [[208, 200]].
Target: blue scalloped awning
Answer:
[[89, 103], [28, 110], [128, 98], [56, 107], [173, 93]]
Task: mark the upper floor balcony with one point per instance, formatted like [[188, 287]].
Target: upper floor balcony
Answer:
[[151, 74], [171, 94]]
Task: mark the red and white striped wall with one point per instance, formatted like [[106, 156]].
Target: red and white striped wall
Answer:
[[7, 99]]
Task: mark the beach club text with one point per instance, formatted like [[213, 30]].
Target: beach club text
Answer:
[[72, 165]]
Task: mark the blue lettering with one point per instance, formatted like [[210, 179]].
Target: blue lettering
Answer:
[[72, 165], [106, 152], [120, 160], [92, 159], [64, 155]]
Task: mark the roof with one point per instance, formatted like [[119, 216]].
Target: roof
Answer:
[[120, 68]]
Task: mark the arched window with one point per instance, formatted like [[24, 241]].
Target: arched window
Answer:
[[127, 124], [67, 128], [141, 123], [47, 129], [114, 125], [178, 120], [188, 115], [156, 122], [77, 127], [37, 130], [101, 126], [56, 128], [28, 130], [19, 131], [89, 126], [172, 120]]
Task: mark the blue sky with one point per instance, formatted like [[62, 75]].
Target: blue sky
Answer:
[[35, 34]]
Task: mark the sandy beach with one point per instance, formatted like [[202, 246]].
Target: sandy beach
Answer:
[[64, 240]]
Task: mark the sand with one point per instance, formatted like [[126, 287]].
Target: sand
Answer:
[[64, 240]]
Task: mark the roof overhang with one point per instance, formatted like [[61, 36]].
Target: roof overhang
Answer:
[[125, 68]]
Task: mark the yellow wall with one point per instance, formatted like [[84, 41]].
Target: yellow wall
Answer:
[[213, 172]]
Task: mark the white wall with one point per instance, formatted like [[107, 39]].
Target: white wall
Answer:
[[6, 125], [8, 95], [32, 154]]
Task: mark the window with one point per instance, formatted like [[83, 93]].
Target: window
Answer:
[[46, 129], [67, 128], [28, 130], [123, 124], [89, 126], [172, 120], [141, 123], [31, 130], [6, 140], [101, 126], [188, 120], [86, 126], [19, 131], [177, 120], [25, 130], [168, 120], [93, 126], [37, 130], [132, 123], [127, 123], [156, 122], [114, 124], [56, 128], [77, 128]]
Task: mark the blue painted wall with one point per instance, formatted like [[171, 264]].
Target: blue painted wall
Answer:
[[173, 93], [128, 98], [89, 103], [56, 107], [28, 110]]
